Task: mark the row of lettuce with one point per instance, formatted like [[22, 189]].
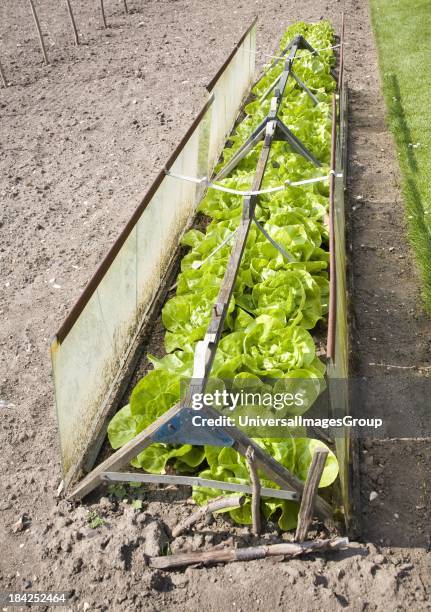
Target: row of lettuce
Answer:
[[275, 303]]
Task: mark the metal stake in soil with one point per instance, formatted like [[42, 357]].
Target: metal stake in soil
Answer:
[[39, 32], [125, 6], [72, 19], [3, 78], [102, 8]]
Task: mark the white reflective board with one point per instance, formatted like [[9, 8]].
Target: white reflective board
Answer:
[[92, 346]]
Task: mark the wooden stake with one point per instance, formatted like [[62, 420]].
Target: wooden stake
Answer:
[[218, 504], [228, 555], [255, 496], [102, 8], [3, 78], [310, 491], [125, 6], [39, 32], [72, 19]]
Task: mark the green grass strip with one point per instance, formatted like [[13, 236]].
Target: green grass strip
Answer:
[[403, 33]]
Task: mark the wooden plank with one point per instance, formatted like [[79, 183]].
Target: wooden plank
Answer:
[[310, 491], [196, 481]]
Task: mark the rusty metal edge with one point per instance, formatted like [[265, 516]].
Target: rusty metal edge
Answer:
[[222, 68], [330, 343], [94, 281], [332, 315], [341, 72]]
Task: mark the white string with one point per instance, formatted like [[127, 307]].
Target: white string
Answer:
[[284, 57], [198, 264], [205, 181]]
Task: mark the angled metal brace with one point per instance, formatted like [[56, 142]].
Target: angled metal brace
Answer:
[[296, 43], [304, 87], [304, 44], [283, 133], [196, 481], [275, 244], [256, 136], [270, 88], [300, 42], [279, 58], [299, 81]]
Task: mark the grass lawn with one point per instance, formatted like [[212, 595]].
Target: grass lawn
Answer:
[[403, 33]]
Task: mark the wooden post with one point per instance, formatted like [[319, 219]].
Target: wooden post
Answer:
[[102, 8], [3, 78], [39, 32], [310, 491], [72, 19], [125, 6], [255, 496], [217, 504]]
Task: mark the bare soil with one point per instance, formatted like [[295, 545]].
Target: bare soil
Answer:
[[81, 140]]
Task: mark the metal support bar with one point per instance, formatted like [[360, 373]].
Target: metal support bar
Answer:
[[195, 481], [279, 57], [275, 244], [256, 136], [265, 462], [298, 42], [330, 343], [304, 87], [304, 44], [283, 133], [341, 70], [270, 88]]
